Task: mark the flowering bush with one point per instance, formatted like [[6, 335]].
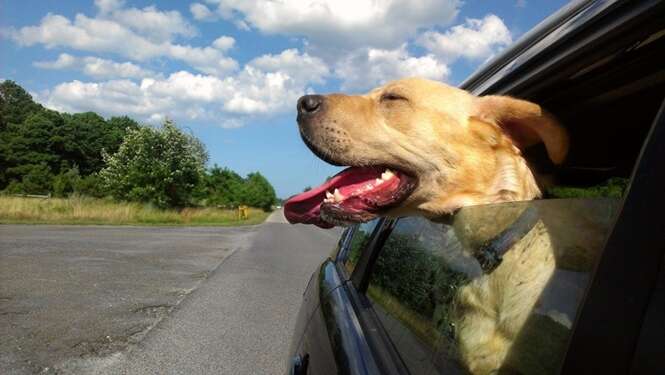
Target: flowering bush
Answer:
[[162, 166]]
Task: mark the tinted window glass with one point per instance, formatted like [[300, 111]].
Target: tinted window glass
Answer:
[[493, 289], [357, 243]]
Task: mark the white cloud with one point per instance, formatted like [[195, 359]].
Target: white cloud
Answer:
[[64, 61], [208, 59], [96, 67], [224, 43], [139, 36], [360, 43], [106, 6], [342, 23], [158, 26], [201, 12], [266, 86], [368, 68], [302, 68], [476, 39]]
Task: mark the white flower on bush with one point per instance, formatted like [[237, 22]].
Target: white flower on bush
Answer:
[[161, 166]]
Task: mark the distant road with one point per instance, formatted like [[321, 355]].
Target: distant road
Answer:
[[150, 300]]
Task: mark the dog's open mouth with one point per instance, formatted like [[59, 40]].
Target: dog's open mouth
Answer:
[[354, 195]]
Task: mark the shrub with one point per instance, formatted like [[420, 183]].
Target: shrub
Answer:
[[65, 183], [161, 166], [38, 180], [91, 185]]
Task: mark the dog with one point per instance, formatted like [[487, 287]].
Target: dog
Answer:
[[421, 147]]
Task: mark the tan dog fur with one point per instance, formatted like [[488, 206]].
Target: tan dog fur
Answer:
[[464, 150]]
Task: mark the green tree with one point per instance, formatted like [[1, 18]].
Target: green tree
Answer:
[[31, 135], [162, 166], [91, 185], [258, 192], [65, 183], [223, 187], [29, 144], [38, 180], [15, 104], [83, 137]]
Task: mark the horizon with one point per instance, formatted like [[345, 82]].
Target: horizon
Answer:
[[231, 72]]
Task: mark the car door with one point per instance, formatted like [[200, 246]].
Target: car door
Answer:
[[590, 316], [328, 338]]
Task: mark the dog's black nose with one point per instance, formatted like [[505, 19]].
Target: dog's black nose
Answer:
[[309, 104]]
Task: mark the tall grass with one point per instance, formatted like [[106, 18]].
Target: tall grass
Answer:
[[85, 210]]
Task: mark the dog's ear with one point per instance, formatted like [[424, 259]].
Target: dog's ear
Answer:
[[525, 123]]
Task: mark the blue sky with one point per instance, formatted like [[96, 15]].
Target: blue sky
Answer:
[[232, 70]]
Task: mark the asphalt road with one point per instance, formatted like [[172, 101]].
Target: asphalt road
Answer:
[[147, 300]]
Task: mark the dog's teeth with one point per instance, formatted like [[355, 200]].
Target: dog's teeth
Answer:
[[379, 181], [338, 196], [387, 175], [329, 195]]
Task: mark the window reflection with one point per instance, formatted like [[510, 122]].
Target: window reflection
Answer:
[[491, 288], [359, 240]]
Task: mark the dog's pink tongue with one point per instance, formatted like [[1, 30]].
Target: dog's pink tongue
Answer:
[[305, 207]]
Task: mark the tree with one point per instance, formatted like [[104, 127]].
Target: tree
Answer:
[[31, 135], [162, 166], [258, 192], [27, 145], [65, 183], [38, 180], [223, 187], [91, 185], [15, 104]]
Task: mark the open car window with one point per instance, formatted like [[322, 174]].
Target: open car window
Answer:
[[493, 288]]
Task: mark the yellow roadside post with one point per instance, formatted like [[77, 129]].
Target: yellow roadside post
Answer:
[[242, 212]]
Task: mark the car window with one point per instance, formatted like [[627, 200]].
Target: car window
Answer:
[[490, 289], [359, 239]]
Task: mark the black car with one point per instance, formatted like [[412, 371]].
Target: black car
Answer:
[[380, 304]]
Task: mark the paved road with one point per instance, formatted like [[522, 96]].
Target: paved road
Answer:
[[153, 300]]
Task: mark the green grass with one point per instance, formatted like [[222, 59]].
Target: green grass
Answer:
[[84, 210], [612, 188]]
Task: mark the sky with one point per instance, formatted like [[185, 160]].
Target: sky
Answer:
[[231, 71]]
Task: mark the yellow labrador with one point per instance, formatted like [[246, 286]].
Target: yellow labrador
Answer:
[[419, 147]]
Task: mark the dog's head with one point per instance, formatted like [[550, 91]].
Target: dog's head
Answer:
[[416, 146]]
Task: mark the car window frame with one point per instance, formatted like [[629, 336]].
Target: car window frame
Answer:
[[364, 252], [611, 348], [382, 347], [343, 243]]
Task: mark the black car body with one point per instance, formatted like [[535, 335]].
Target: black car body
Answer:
[[599, 66]]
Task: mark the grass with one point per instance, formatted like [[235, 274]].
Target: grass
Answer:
[[84, 210]]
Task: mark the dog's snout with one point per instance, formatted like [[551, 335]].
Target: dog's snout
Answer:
[[309, 104]]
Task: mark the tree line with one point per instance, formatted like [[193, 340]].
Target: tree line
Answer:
[[43, 151]]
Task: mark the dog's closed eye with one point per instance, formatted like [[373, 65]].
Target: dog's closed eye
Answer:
[[390, 96]]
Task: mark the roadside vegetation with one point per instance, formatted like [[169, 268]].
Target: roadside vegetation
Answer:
[[115, 171], [87, 210]]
